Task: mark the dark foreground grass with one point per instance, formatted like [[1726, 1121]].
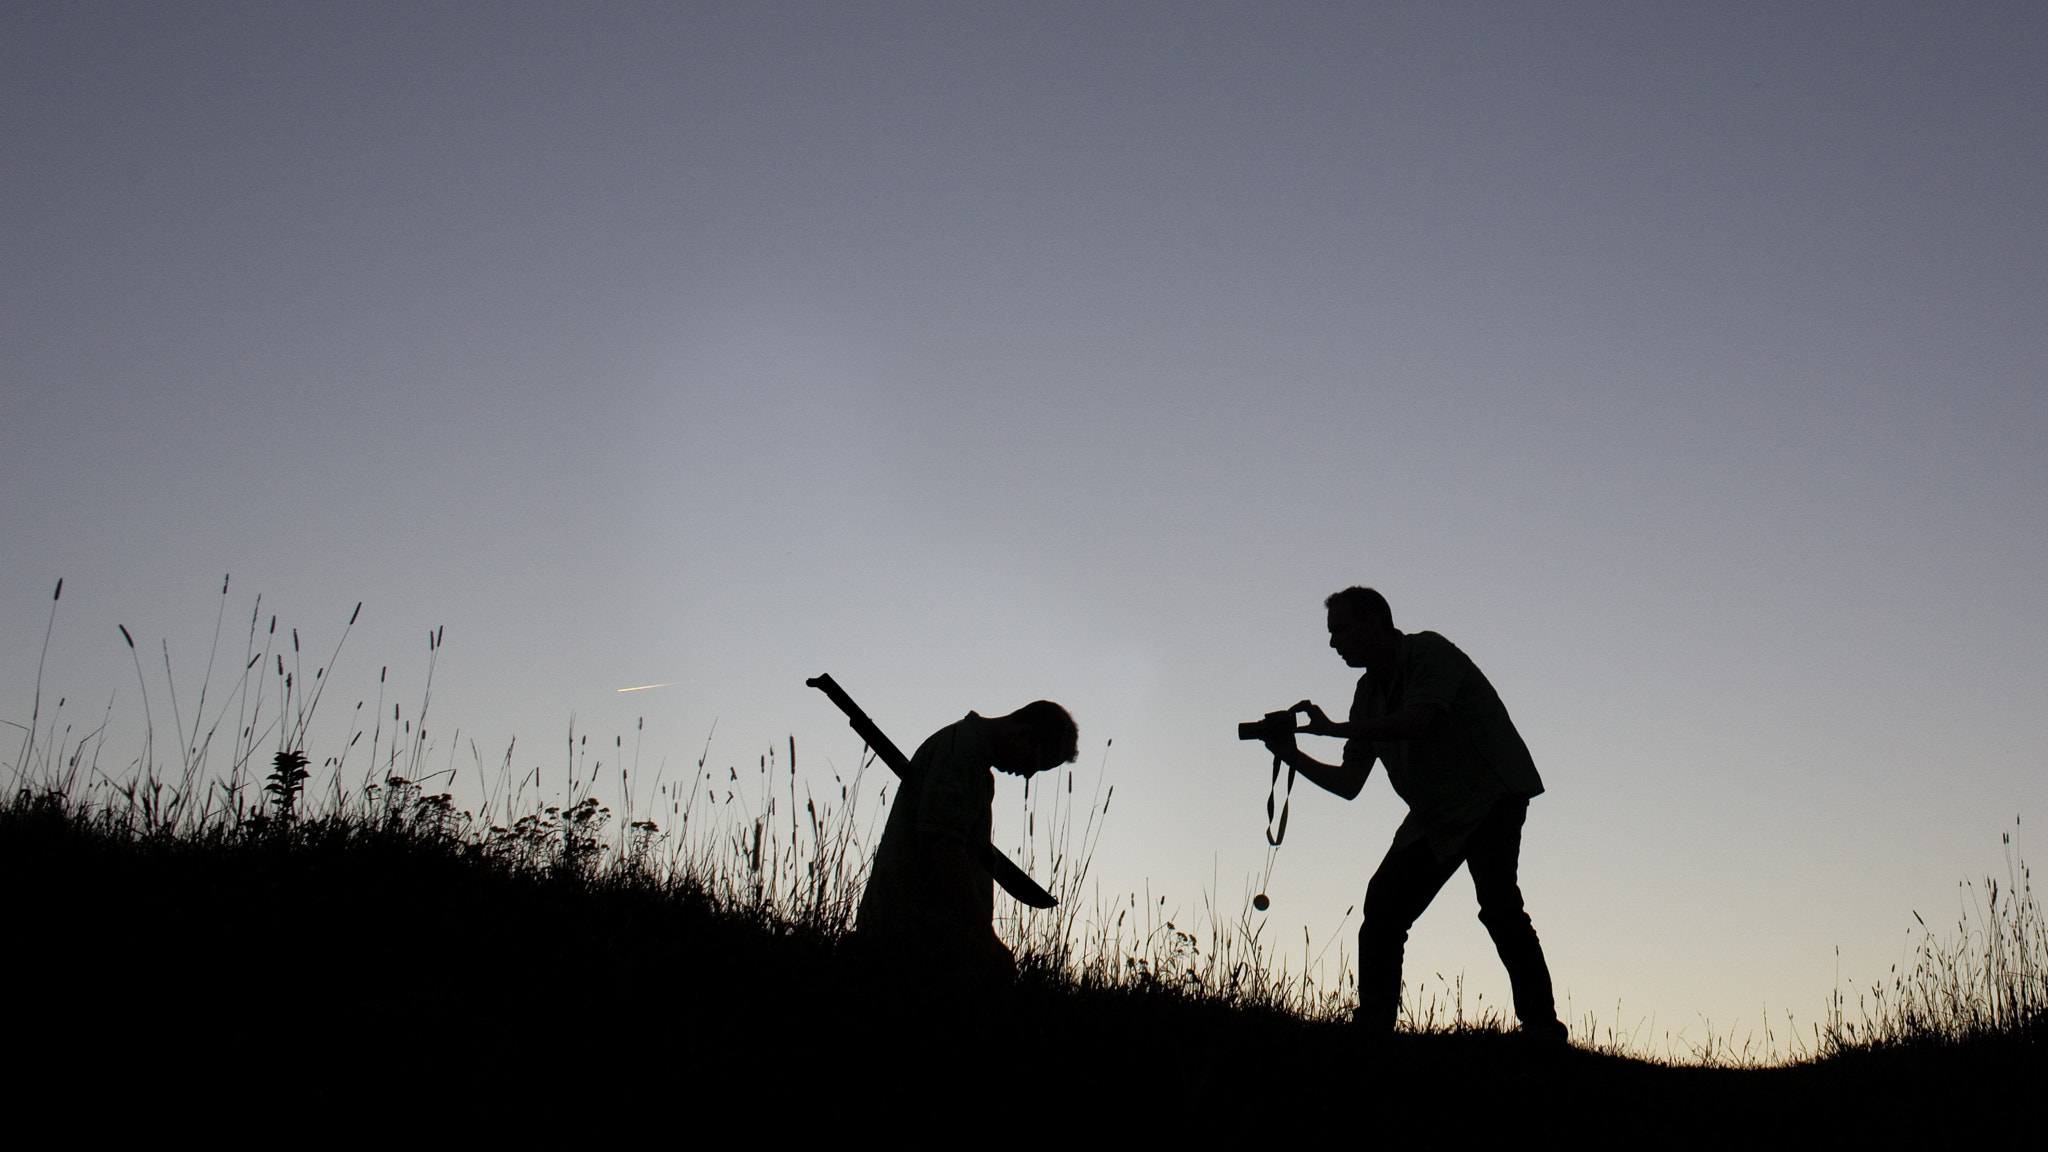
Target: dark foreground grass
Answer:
[[342, 970], [190, 948]]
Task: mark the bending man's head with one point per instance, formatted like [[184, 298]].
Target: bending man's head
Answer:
[[1038, 736]]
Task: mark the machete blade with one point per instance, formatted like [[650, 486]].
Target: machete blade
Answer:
[[1015, 880]]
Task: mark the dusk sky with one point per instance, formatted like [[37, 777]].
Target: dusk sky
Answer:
[[1686, 365]]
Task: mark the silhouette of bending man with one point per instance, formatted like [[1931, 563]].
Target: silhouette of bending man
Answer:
[[1427, 712], [928, 902]]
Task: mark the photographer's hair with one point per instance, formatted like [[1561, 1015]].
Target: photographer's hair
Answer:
[[1363, 603], [1051, 729]]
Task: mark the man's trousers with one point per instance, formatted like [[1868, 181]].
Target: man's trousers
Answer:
[[1410, 877]]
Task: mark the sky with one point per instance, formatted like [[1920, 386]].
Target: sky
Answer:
[[1683, 364]]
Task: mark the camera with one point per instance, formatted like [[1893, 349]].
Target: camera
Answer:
[[1274, 724]]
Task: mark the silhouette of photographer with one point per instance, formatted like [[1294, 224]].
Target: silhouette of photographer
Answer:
[[928, 903], [1427, 712]]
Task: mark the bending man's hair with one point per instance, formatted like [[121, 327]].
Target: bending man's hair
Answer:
[[1051, 728]]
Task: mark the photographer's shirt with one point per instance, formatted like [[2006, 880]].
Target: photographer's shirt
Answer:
[[1470, 758], [947, 795]]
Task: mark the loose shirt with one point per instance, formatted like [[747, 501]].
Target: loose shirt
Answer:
[[1470, 757], [947, 795]]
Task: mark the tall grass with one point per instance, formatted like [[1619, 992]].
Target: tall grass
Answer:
[[764, 845], [1987, 979], [789, 853]]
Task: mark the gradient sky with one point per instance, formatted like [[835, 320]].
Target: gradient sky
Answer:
[[1684, 364]]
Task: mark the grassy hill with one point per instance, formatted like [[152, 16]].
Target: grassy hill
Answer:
[[401, 969]]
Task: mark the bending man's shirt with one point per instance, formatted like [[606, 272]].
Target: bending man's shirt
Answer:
[[946, 796]]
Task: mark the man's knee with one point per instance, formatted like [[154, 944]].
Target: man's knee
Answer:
[[1500, 902], [1505, 918], [1375, 936], [1386, 917], [1497, 884], [1397, 896]]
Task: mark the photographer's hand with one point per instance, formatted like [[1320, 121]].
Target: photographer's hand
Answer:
[[1318, 724], [1277, 732], [1281, 743]]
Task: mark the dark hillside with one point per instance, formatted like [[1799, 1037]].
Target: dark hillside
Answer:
[[329, 968]]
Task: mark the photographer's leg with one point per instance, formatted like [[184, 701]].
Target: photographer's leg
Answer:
[[1407, 880], [1493, 855]]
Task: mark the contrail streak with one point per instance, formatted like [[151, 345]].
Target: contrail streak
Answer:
[[645, 687]]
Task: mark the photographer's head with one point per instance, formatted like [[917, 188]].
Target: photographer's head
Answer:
[[1362, 627], [1034, 738]]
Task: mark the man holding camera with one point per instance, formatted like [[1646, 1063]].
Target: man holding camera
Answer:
[[1427, 712]]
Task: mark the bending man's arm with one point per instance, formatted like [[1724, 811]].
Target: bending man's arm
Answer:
[[962, 883]]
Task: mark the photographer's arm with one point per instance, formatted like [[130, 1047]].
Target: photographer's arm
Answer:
[[1343, 779], [1347, 779], [1406, 724]]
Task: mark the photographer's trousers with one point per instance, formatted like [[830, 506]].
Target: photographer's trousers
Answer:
[[1410, 877]]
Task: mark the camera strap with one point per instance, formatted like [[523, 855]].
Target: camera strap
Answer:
[[1272, 837]]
